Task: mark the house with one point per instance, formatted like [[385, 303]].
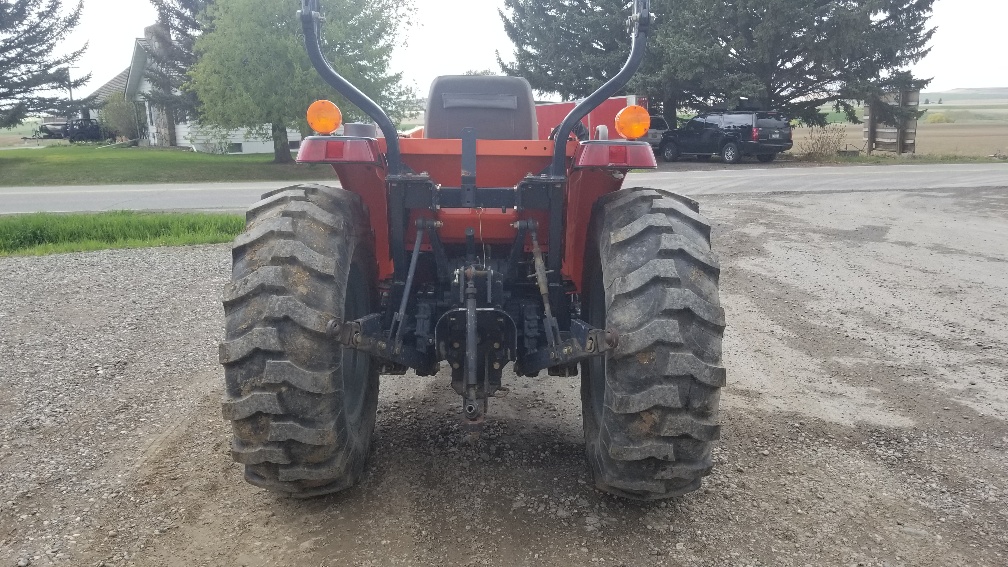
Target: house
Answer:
[[159, 130]]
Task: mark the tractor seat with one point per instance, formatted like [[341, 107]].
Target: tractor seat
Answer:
[[499, 108]]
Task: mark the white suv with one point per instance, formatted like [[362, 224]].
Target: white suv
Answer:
[[654, 134]]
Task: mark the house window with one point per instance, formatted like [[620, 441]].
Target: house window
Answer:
[[294, 144], [234, 148]]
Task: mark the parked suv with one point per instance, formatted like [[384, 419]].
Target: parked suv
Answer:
[[82, 129], [730, 134], [658, 128]]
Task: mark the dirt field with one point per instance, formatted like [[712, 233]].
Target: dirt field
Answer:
[[864, 419], [974, 139]]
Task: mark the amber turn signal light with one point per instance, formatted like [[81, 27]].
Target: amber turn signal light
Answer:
[[324, 117], [633, 122]]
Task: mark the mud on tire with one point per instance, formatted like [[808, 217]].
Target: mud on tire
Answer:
[[651, 406], [303, 409]]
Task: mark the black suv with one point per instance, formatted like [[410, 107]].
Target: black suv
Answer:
[[82, 129], [730, 134]]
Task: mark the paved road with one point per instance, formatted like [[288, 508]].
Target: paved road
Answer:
[[161, 196], [814, 179], [744, 179]]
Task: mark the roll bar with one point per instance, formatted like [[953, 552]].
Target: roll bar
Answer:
[[311, 21], [639, 26]]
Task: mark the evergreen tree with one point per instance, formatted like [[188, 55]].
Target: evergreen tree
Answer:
[[791, 55], [569, 47], [32, 76], [252, 68], [171, 57]]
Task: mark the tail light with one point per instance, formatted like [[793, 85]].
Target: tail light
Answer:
[[331, 149], [615, 154], [755, 134]]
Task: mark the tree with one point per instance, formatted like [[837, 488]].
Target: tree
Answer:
[[171, 57], [569, 47], [253, 70], [121, 116], [792, 55], [30, 72]]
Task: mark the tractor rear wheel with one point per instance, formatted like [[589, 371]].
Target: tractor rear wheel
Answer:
[[651, 405], [303, 409]]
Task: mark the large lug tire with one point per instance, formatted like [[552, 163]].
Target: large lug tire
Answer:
[[766, 158], [650, 406], [670, 151], [303, 409], [730, 153]]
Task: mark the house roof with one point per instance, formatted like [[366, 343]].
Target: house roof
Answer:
[[137, 68], [116, 85]]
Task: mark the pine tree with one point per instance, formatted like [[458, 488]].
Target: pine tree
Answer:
[[170, 58], [32, 76], [791, 55], [569, 47]]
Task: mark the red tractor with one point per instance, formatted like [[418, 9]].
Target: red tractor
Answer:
[[476, 245]]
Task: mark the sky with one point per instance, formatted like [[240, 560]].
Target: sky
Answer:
[[454, 36]]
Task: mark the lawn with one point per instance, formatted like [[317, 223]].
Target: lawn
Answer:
[[48, 233], [84, 164]]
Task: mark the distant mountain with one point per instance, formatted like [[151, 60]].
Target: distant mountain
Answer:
[[999, 91], [988, 95]]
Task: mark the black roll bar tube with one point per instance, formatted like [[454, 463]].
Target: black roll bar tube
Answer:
[[311, 22], [639, 25]]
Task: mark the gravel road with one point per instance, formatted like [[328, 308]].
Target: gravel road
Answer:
[[864, 419]]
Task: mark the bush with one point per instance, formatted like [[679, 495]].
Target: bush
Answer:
[[939, 118], [824, 141], [120, 116]]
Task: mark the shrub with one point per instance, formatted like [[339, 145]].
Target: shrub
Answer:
[[824, 141], [120, 116], [939, 118]]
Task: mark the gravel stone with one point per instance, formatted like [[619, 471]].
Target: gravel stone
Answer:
[[834, 450]]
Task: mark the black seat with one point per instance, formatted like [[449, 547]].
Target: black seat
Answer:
[[499, 108]]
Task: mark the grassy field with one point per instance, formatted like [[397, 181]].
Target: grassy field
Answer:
[[12, 136], [90, 165], [47, 233]]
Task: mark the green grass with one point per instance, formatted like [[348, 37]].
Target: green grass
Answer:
[[48, 233], [959, 115], [91, 165], [26, 128], [834, 117]]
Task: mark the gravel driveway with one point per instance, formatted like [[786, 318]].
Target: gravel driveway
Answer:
[[864, 420]]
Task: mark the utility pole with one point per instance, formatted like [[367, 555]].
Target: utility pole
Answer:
[[70, 88]]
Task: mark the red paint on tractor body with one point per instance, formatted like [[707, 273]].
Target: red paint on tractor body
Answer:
[[592, 172]]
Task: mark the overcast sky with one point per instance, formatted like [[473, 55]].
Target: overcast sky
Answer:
[[454, 36]]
